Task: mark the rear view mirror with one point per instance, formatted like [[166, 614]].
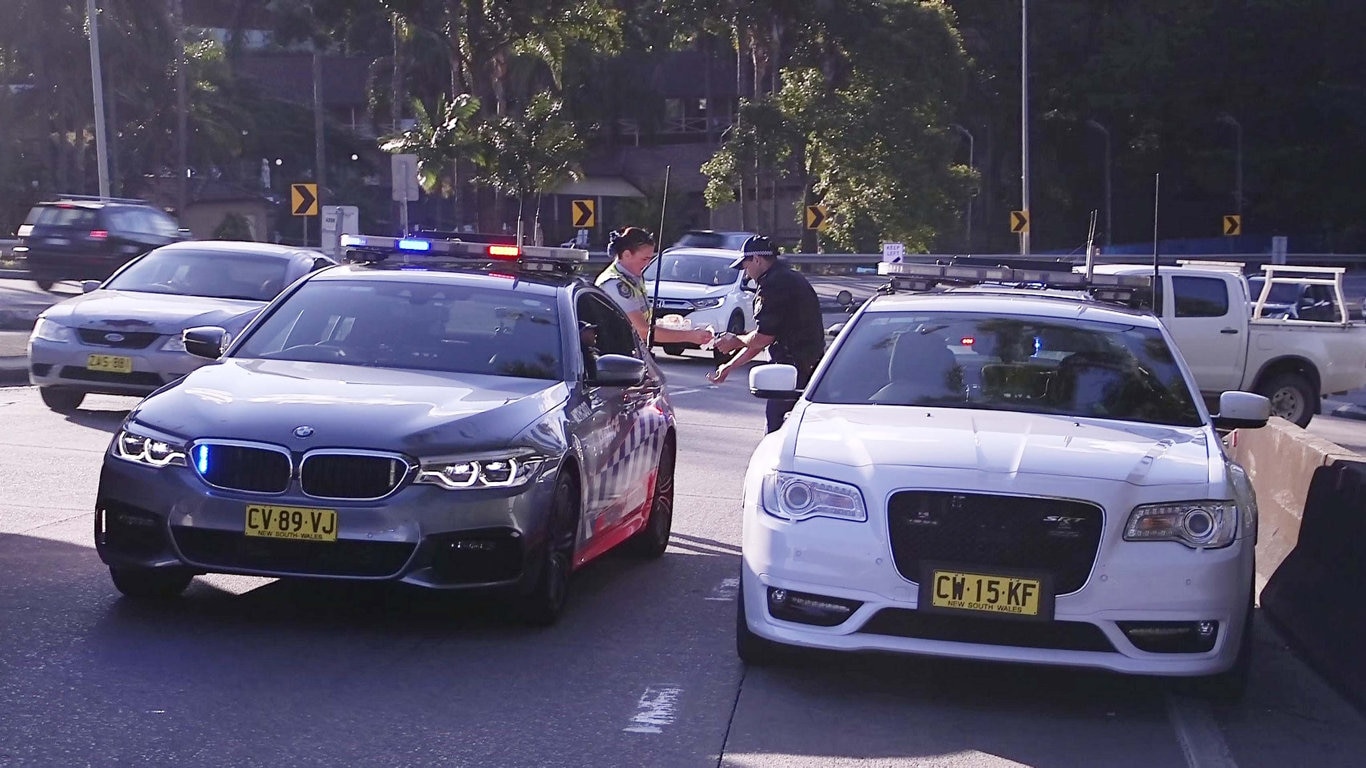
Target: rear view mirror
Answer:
[[619, 370], [205, 341], [774, 381], [1242, 410]]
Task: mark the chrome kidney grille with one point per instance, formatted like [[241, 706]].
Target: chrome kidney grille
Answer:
[[352, 474]]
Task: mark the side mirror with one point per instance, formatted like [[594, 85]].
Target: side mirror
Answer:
[[747, 285], [619, 371], [206, 341], [844, 298], [1242, 410], [89, 285], [774, 382], [834, 330]]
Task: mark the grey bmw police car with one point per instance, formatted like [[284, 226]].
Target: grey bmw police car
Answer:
[[445, 414]]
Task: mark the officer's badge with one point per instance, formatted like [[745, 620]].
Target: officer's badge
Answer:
[[623, 289]]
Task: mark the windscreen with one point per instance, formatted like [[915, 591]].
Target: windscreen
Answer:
[[692, 268], [414, 326], [1033, 365], [213, 274]]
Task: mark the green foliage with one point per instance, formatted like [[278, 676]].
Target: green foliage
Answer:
[[532, 153], [234, 226]]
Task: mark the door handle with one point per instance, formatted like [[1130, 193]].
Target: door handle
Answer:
[[1229, 330]]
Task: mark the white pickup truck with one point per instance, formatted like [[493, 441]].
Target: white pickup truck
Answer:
[[1229, 345]]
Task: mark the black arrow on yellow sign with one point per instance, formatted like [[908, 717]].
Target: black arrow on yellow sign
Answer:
[[303, 199], [1233, 224], [584, 214], [1019, 222], [816, 216]]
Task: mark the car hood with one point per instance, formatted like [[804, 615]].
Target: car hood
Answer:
[[423, 414], [159, 313], [671, 290], [1004, 442]]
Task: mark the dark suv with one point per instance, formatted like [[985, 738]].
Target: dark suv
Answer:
[[87, 238]]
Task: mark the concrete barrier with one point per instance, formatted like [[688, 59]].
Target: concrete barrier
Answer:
[[1311, 498]]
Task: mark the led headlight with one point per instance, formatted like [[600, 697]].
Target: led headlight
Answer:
[[798, 497], [48, 330], [494, 470], [1197, 524], [708, 303], [174, 344], [141, 449]]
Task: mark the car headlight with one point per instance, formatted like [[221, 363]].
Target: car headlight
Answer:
[[141, 449], [798, 497], [47, 330], [174, 344], [712, 303], [507, 469], [1197, 524]]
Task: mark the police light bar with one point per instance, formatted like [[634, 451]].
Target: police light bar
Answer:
[[373, 248], [931, 274]]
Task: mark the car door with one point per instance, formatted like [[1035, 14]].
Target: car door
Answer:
[[1210, 330]]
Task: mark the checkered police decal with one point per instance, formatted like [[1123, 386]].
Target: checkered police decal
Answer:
[[627, 482]]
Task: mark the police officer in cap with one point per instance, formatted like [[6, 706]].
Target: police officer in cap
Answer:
[[787, 313], [632, 250]]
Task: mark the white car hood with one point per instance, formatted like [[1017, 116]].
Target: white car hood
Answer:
[[671, 290], [1003, 442]]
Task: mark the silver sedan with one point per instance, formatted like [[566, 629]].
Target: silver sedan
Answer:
[[123, 337]]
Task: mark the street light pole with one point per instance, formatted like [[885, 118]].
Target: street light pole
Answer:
[[1024, 121], [972, 167], [1228, 119], [97, 81], [1108, 222]]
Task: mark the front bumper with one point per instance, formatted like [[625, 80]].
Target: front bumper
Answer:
[[153, 518], [1140, 582], [64, 364]]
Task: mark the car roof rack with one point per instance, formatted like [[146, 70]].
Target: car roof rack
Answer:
[[372, 249], [99, 199], [1132, 291]]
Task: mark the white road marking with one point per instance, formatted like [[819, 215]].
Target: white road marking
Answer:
[[726, 591], [657, 705], [1201, 739], [688, 391]]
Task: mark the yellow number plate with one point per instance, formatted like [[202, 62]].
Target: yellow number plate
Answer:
[[985, 593], [111, 363], [291, 523]]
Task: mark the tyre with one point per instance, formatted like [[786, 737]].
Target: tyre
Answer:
[[543, 605], [1230, 685], [736, 325], [61, 400], [753, 650], [675, 350], [1292, 397], [150, 583], [651, 541]]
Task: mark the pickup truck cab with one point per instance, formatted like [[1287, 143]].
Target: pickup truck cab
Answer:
[[1230, 343]]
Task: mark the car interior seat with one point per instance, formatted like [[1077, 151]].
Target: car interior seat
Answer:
[[921, 370], [1090, 383]]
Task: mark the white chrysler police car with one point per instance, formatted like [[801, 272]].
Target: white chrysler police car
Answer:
[[1003, 473]]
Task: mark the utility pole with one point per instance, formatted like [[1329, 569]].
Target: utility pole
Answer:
[[182, 109], [97, 81], [972, 167], [1024, 122], [1228, 119]]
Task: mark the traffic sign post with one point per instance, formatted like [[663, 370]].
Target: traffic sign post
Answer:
[[303, 201], [1233, 225], [584, 213], [403, 170], [1019, 222], [817, 217], [893, 253]]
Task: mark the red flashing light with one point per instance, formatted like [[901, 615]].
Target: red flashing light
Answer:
[[99, 234], [505, 251], [967, 341]]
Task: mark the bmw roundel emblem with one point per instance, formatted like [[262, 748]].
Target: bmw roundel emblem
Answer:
[[304, 431]]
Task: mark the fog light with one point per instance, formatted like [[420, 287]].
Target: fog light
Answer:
[[1171, 636], [803, 608], [1206, 629]]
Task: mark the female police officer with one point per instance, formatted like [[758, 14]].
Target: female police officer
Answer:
[[787, 313], [633, 249]]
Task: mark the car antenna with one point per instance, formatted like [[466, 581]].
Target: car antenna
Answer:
[[1091, 248], [659, 254]]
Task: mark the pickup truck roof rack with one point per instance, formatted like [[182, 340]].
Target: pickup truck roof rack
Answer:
[[1282, 274], [1131, 291], [98, 199], [371, 249]]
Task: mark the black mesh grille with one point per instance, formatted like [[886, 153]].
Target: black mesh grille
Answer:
[[1062, 635], [127, 529], [141, 378], [475, 557], [338, 476], [242, 468], [1053, 536], [125, 340], [236, 551]]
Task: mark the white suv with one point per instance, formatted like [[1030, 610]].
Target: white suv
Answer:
[[699, 285], [1013, 476]]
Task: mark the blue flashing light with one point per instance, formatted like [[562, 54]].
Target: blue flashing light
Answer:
[[352, 240], [201, 458], [413, 244], [1038, 344]]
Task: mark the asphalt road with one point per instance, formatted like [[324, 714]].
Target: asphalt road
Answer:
[[640, 672]]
